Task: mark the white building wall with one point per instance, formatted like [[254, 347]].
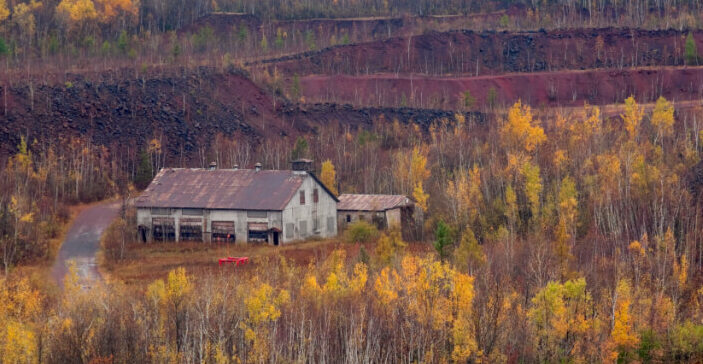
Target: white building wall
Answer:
[[298, 220]]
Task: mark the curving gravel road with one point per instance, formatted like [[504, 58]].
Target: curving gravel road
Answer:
[[82, 243]]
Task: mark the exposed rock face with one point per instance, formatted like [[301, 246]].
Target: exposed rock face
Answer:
[[187, 108]]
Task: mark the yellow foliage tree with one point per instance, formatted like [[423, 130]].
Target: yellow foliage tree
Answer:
[[171, 298], [20, 344], [663, 117], [328, 176], [76, 12], [464, 193], [4, 10], [583, 129], [411, 171], [386, 287], [23, 17], [388, 246], [463, 337], [632, 117], [263, 307], [421, 198], [418, 167], [110, 9], [533, 187], [520, 130], [19, 307], [469, 254], [560, 319], [609, 172], [623, 336]]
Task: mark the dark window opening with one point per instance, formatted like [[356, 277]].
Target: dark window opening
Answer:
[[379, 219], [164, 233], [223, 237], [348, 218], [258, 236], [163, 229], [302, 197], [191, 232], [223, 232], [315, 196]]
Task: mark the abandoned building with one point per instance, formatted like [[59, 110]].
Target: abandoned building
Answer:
[[382, 210], [237, 205]]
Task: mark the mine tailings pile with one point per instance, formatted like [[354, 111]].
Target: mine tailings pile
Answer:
[[185, 108], [543, 67]]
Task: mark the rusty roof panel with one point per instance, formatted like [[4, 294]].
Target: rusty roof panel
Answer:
[[243, 189], [354, 202]]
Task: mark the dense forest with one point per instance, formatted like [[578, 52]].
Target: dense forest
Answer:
[[563, 236], [555, 222], [67, 34]]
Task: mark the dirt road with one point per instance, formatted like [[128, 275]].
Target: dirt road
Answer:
[[82, 243]]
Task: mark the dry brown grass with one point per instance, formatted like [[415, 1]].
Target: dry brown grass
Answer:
[[147, 262]]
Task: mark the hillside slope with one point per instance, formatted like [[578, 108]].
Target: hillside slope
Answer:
[[185, 109], [489, 53]]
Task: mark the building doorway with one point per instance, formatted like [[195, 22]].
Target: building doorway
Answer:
[[275, 237]]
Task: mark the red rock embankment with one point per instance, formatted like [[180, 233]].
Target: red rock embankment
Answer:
[[562, 88]]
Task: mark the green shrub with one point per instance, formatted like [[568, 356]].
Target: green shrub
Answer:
[[691, 51], [360, 232]]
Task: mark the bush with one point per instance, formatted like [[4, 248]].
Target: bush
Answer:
[[360, 232]]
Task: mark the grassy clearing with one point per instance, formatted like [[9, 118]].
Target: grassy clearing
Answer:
[[147, 262]]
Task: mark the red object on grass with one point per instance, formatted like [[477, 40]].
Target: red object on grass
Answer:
[[236, 260]]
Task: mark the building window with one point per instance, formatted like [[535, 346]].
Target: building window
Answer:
[[303, 228], [223, 231], [193, 212], [290, 227], [315, 225], [160, 211], [302, 197], [315, 196], [348, 218], [362, 217], [256, 236], [257, 214]]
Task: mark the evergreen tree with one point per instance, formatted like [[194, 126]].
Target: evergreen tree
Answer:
[[442, 239], [300, 150], [144, 171]]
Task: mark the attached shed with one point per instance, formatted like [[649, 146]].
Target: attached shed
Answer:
[[236, 205], [382, 210]]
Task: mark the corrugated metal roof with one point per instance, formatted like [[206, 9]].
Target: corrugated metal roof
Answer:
[[243, 189], [354, 202]]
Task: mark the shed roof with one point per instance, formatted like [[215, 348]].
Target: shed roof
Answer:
[[355, 202], [242, 189]]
